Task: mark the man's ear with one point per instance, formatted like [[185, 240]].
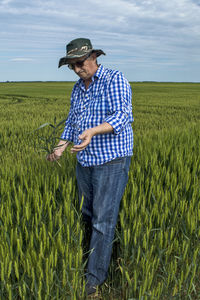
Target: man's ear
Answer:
[[93, 56]]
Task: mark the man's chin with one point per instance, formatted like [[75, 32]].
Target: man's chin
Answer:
[[83, 76]]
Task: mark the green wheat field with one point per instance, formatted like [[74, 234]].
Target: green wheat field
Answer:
[[156, 251]]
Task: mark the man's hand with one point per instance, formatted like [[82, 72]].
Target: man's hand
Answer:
[[53, 156], [86, 137], [56, 154]]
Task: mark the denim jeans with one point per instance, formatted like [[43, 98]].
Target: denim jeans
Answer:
[[102, 188]]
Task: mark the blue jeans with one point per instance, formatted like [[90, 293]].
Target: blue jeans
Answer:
[[102, 188]]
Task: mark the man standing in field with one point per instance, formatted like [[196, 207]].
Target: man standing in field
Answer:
[[99, 125]]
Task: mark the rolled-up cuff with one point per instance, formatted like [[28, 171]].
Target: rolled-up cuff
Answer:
[[117, 120], [67, 135]]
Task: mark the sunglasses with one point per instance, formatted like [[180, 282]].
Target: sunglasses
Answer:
[[79, 63]]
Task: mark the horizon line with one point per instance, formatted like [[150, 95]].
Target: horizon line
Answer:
[[139, 81]]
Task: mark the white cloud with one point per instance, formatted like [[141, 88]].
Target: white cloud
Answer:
[[5, 2], [20, 59], [129, 31]]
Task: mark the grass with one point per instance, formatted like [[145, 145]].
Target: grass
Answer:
[[156, 250]]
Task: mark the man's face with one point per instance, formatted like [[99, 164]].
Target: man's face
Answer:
[[85, 69]]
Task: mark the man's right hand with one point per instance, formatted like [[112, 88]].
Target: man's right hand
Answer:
[[56, 154], [53, 156]]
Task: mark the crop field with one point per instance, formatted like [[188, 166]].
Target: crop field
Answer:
[[156, 251]]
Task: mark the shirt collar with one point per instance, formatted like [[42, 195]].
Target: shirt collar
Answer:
[[99, 72]]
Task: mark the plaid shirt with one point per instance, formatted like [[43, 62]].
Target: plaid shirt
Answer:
[[108, 99]]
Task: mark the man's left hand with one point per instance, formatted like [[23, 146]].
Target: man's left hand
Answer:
[[86, 137]]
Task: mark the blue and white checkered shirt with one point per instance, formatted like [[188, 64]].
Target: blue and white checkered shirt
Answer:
[[108, 99]]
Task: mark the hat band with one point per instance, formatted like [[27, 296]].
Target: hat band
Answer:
[[84, 48]]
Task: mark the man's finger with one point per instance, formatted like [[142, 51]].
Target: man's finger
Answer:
[[77, 150], [82, 145], [52, 157]]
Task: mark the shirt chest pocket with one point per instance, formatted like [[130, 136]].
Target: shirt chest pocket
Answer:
[[95, 111], [78, 107]]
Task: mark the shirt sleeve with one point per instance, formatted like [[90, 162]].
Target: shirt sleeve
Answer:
[[68, 132], [120, 103]]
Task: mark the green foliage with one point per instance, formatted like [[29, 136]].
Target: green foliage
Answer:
[[48, 143], [156, 252]]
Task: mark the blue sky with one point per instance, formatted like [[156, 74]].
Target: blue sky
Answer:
[[145, 39]]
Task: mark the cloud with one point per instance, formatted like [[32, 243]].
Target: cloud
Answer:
[[5, 2], [21, 59], [154, 32]]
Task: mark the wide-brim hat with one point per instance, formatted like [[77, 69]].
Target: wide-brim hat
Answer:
[[78, 48]]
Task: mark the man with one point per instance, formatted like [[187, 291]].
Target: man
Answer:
[[99, 125]]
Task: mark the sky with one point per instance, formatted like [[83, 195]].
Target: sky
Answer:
[[148, 40]]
